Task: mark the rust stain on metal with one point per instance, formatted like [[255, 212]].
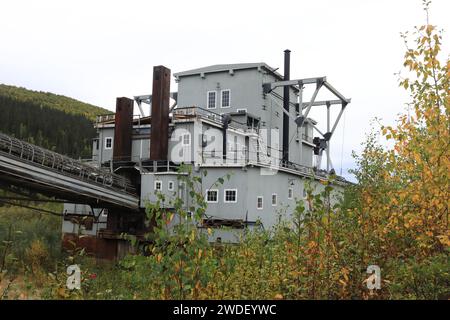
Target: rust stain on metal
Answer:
[[123, 129], [159, 146], [100, 248]]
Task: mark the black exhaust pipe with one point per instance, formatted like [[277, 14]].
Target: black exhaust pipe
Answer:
[[287, 66]]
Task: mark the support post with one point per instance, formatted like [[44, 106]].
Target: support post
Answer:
[[300, 111], [302, 118], [328, 142]]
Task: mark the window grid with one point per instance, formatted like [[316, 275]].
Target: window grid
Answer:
[[211, 101], [225, 98], [108, 143], [230, 195], [274, 199], [186, 141], [259, 203], [290, 193], [212, 196], [171, 186], [158, 185]]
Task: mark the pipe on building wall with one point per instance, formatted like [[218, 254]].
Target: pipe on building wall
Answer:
[[123, 130], [226, 119], [287, 66], [159, 145]]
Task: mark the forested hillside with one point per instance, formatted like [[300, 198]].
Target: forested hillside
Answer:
[[52, 121], [28, 237]]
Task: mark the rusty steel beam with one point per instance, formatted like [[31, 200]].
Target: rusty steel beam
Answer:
[[159, 144], [103, 249], [123, 130]]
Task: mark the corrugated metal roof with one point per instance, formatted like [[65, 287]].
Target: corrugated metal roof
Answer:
[[227, 67]]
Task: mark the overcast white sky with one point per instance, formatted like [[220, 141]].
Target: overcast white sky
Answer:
[[95, 51]]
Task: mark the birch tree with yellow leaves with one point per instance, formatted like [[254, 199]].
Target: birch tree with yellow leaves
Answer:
[[404, 190]]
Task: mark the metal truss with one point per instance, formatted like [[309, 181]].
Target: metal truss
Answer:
[[305, 107], [147, 99]]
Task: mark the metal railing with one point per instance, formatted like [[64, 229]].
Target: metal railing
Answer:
[[111, 117], [26, 152], [158, 165], [105, 117], [210, 115]]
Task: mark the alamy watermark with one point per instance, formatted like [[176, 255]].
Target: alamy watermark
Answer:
[[374, 280], [206, 146], [74, 277]]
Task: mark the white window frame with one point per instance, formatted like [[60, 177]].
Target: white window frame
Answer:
[[182, 139], [229, 98], [155, 183], [225, 196], [257, 203], [106, 144], [207, 99], [217, 197], [276, 200], [171, 185], [290, 193]]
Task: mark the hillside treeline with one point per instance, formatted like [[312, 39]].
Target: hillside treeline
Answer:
[[52, 101], [52, 121]]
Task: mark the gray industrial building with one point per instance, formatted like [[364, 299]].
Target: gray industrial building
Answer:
[[243, 120]]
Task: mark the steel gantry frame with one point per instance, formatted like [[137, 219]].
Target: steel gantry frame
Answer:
[[147, 99], [321, 143]]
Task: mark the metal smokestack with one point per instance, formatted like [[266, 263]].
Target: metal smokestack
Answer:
[[159, 139], [123, 130], [287, 66]]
